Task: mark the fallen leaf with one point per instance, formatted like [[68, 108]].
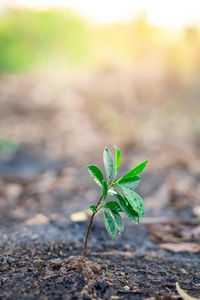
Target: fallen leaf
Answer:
[[183, 294], [179, 232], [181, 247]]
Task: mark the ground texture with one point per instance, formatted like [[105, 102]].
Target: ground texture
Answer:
[[45, 193]]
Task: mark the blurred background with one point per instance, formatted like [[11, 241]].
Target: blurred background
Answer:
[[76, 76]]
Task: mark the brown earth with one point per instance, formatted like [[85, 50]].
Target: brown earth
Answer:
[[63, 126]]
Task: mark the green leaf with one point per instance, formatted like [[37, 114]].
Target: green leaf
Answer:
[[118, 220], [127, 208], [111, 191], [136, 171], [96, 174], [110, 224], [129, 183], [105, 189], [135, 201], [113, 205], [117, 160], [108, 163], [93, 208]]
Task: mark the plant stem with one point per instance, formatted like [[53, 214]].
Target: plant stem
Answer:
[[89, 226]]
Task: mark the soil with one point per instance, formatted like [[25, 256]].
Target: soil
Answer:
[[40, 257], [46, 269]]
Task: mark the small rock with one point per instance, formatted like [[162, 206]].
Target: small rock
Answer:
[[126, 288], [183, 271], [4, 279], [79, 216], [101, 286], [37, 220], [10, 260]]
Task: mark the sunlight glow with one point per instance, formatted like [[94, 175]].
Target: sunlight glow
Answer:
[[171, 13]]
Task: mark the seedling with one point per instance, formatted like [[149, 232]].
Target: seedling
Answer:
[[129, 202]]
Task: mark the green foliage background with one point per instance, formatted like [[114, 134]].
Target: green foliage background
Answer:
[[30, 37], [56, 37]]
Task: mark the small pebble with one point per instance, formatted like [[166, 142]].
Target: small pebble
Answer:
[[9, 259], [4, 279], [101, 286]]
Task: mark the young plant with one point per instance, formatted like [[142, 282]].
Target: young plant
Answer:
[[129, 202]]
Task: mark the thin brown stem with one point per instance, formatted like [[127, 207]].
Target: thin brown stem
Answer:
[[89, 226]]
